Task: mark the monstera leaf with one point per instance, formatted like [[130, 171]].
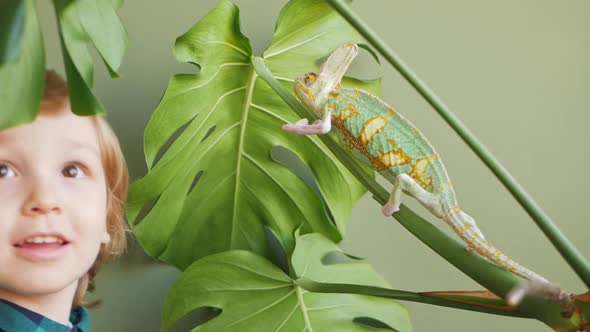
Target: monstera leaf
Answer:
[[12, 26], [255, 295], [218, 160], [21, 77], [82, 22]]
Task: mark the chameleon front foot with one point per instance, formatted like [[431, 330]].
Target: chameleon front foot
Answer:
[[302, 127]]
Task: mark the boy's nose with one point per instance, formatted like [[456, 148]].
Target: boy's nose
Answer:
[[41, 201]]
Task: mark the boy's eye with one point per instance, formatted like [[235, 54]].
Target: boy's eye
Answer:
[[73, 171], [6, 171]]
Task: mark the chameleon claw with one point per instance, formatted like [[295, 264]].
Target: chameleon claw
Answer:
[[302, 127], [302, 122], [292, 127], [389, 209], [296, 127]]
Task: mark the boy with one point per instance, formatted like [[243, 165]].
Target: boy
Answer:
[[63, 187]]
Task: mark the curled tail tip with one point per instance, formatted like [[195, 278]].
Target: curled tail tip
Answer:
[[515, 296], [541, 288]]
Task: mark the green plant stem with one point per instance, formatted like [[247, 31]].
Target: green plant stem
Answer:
[[314, 286], [490, 276], [569, 252]]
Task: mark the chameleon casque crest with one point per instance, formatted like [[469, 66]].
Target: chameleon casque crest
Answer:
[[382, 138]]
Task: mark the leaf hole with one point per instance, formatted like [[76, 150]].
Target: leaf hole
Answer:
[[278, 252], [290, 160], [373, 323], [209, 132], [147, 208], [171, 140], [195, 181], [195, 318], [338, 257]]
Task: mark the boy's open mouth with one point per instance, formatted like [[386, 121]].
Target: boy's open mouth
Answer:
[[42, 246], [42, 240]]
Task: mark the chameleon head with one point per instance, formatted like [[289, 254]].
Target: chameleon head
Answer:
[[305, 90], [313, 89]]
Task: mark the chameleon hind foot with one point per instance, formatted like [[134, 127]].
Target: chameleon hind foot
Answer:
[[395, 199], [405, 183], [389, 209]]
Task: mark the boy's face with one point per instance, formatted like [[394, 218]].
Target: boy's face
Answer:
[[53, 202]]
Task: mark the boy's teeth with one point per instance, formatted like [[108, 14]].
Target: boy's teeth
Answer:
[[44, 239]]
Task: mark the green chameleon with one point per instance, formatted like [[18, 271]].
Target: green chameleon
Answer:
[[382, 138]]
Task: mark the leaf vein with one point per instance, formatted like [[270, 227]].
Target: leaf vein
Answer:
[[303, 42], [243, 120], [262, 309], [226, 64], [330, 307], [287, 318], [232, 46], [275, 181], [303, 310], [255, 272]]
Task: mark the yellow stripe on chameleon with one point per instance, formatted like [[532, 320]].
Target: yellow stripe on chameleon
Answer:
[[349, 112], [419, 170], [393, 143], [395, 157], [308, 93], [372, 127], [452, 212], [464, 228], [390, 113], [355, 95]]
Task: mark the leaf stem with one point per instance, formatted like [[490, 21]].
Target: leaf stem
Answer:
[[320, 287], [567, 249]]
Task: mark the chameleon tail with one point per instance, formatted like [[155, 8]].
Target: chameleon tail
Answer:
[[465, 227]]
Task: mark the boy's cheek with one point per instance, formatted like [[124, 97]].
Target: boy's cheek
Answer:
[[11, 199], [8, 190], [85, 192]]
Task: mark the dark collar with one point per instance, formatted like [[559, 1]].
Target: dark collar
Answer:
[[16, 318]]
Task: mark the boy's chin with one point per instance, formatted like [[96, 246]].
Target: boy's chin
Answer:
[[41, 286]]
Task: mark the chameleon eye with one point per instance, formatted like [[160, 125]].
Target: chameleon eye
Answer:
[[310, 78]]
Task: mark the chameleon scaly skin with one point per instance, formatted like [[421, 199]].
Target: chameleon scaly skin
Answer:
[[382, 138]]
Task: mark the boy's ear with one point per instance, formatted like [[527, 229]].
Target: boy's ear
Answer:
[[106, 238]]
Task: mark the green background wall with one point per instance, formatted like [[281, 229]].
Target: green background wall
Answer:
[[516, 72]]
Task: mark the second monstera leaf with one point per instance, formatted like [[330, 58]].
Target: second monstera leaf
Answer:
[[255, 295]]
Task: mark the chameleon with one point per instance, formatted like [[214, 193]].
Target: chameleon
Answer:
[[379, 136]]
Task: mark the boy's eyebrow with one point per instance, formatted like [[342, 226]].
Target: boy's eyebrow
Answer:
[[82, 145], [72, 142]]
